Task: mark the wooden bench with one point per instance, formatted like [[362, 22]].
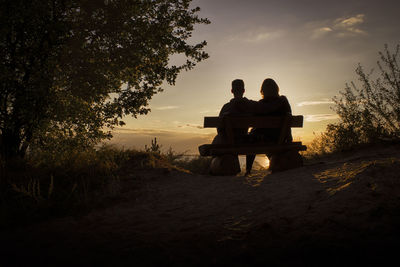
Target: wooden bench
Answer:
[[280, 148]]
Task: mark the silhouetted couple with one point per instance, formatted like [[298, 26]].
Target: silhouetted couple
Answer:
[[271, 103]]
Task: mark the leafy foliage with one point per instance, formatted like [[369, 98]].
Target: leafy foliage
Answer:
[[369, 112], [71, 68]]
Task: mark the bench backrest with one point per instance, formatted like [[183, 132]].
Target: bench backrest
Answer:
[[229, 123], [253, 121]]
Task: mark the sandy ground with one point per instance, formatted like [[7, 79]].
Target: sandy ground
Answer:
[[343, 210]]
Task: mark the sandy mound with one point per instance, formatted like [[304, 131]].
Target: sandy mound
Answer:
[[344, 209]]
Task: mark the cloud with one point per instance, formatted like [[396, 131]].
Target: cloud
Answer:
[[191, 125], [350, 22], [321, 117], [256, 36], [313, 103], [143, 131], [349, 26], [340, 27], [183, 125], [166, 107], [260, 37], [319, 32], [210, 111]]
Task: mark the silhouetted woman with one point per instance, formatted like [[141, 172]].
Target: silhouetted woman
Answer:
[[270, 97]]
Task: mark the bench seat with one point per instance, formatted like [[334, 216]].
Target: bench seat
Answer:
[[248, 149]]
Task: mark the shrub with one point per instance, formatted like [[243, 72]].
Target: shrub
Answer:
[[50, 183], [319, 146], [47, 184], [369, 112]]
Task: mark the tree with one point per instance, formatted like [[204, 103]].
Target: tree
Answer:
[[71, 68], [369, 112]]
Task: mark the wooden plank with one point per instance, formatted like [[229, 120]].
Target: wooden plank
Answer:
[[250, 145], [255, 151], [248, 149], [213, 122], [253, 121]]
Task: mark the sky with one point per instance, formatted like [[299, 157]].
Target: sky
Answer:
[[311, 48]]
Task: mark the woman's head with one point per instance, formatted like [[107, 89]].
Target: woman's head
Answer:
[[269, 88]]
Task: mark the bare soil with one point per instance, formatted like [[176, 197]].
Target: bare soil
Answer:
[[341, 210]]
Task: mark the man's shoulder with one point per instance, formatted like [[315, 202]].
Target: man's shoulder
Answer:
[[227, 104], [237, 107], [248, 100], [225, 108]]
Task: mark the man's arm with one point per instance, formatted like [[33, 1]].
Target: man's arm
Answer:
[[260, 107], [225, 110]]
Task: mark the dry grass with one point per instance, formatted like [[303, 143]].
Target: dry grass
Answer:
[[46, 184]]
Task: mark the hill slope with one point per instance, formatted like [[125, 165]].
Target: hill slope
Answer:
[[343, 209]]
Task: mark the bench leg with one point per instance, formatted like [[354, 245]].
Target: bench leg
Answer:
[[225, 165], [285, 161]]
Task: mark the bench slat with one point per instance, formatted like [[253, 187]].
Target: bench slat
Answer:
[[253, 121], [248, 149]]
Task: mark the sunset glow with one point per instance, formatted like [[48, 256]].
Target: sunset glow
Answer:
[[311, 49]]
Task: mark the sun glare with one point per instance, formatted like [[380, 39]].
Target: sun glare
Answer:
[[262, 161]]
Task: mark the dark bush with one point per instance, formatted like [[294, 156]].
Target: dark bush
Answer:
[[370, 111]]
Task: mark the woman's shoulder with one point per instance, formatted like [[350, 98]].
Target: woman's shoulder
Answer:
[[283, 98], [273, 99]]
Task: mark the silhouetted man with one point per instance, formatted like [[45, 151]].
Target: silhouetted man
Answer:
[[229, 164], [235, 107]]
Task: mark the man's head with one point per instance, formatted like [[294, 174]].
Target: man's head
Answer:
[[237, 88]]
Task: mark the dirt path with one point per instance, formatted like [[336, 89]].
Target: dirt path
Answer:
[[333, 210]]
